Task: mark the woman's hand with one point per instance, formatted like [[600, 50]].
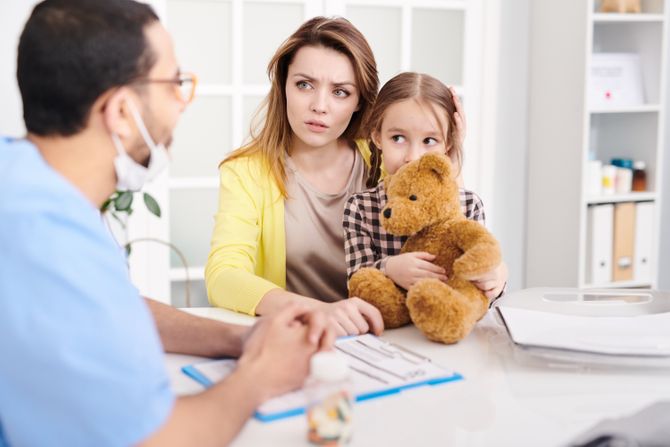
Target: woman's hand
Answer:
[[492, 282], [459, 116], [408, 268], [353, 316]]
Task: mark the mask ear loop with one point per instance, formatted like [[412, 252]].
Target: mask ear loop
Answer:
[[140, 125]]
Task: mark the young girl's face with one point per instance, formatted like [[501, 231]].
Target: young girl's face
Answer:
[[321, 95], [410, 129]]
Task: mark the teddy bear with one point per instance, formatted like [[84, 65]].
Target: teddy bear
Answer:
[[424, 204]]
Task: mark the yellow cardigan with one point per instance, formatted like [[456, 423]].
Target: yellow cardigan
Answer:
[[247, 256]]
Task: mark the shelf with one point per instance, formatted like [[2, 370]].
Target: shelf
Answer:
[[620, 285], [607, 17], [644, 108], [617, 198]]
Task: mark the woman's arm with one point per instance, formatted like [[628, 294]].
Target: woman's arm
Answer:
[[230, 271]]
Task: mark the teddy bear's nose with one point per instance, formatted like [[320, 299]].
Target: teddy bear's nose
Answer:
[[387, 213]]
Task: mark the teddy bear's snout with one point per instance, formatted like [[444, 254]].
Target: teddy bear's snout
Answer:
[[387, 213]]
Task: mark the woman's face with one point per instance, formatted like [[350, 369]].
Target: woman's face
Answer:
[[321, 95]]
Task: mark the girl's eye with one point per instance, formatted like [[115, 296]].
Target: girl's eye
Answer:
[[398, 139], [302, 85], [429, 141], [341, 93]]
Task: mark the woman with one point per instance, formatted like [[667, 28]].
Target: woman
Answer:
[[277, 236]]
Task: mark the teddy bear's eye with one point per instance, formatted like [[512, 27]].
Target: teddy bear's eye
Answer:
[[412, 197]]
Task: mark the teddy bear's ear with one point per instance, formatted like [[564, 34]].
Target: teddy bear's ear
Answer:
[[437, 163]]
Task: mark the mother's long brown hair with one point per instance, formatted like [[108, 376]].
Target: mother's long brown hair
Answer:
[[274, 138], [422, 88]]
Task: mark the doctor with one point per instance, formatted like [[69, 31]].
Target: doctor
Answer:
[[81, 361]]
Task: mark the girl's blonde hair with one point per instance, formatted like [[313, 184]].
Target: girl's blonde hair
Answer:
[[422, 88], [274, 138]]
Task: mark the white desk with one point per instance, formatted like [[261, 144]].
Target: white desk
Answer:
[[500, 403]]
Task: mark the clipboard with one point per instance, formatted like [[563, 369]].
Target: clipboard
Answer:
[[378, 368]]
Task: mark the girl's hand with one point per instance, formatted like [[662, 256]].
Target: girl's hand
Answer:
[[408, 268], [459, 116], [492, 282]]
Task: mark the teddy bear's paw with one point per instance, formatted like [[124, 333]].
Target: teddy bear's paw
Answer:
[[475, 263], [371, 285], [441, 312]]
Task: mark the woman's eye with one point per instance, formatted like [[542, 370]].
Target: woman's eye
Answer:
[[429, 141], [412, 197], [302, 84], [341, 93], [398, 139]]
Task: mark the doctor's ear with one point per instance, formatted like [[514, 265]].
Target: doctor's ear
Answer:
[[115, 113]]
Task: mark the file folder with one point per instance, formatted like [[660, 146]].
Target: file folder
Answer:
[[644, 226], [624, 241], [600, 237], [378, 368]]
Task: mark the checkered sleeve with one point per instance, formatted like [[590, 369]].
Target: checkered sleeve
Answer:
[[472, 206], [358, 242]]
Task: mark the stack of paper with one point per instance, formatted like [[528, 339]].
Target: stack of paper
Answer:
[[642, 335]]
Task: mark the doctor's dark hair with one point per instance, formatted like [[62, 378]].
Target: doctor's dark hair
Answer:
[[71, 52]]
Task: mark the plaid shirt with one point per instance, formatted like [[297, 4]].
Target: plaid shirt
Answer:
[[366, 242]]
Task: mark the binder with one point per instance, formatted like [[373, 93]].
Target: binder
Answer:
[[624, 241], [378, 368], [644, 226], [600, 237]]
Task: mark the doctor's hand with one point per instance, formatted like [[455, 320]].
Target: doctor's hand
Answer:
[[353, 316], [278, 348]]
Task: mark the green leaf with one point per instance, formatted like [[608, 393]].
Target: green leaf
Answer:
[[152, 205], [124, 201], [128, 249]]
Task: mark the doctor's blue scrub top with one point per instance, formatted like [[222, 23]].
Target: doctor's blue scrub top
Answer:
[[81, 363]]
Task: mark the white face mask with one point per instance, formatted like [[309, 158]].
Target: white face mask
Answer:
[[130, 175]]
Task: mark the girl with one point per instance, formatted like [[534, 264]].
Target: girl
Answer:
[[414, 114], [277, 236]]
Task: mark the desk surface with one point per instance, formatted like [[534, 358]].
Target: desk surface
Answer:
[[501, 402]]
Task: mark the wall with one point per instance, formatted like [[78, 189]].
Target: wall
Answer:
[[13, 15], [505, 128]]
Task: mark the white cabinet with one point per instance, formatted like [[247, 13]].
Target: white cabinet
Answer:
[[566, 130]]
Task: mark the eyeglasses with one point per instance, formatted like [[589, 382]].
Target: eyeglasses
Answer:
[[184, 85]]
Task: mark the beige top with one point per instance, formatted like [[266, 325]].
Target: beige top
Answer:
[[315, 265]]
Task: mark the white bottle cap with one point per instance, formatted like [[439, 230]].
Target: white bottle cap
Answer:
[[639, 164], [329, 366]]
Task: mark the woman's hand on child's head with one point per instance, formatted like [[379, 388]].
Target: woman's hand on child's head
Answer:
[[459, 116], [493, 282], [354, 316], [408, 268]]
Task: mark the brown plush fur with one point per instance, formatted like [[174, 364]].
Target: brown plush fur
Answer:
[[445, 313]]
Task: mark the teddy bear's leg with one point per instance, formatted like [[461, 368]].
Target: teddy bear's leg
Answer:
[[373, 286], [442, 312]]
